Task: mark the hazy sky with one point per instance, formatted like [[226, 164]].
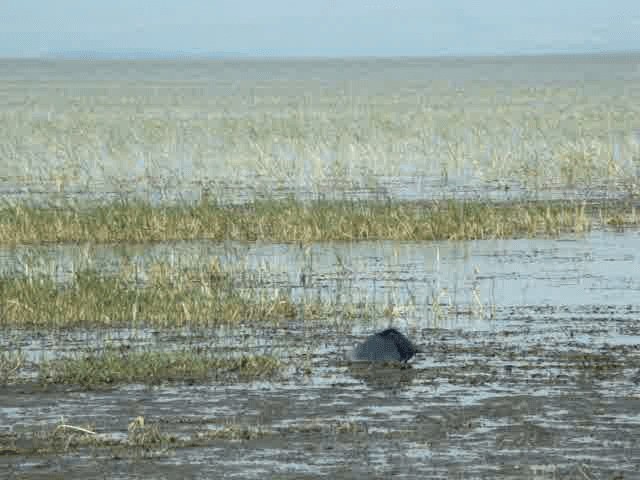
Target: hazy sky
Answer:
[[319, 27]]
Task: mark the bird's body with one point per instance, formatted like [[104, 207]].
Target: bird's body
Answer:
[[386, 346]]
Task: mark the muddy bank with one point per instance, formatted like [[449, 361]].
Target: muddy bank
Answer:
[[503, 402]]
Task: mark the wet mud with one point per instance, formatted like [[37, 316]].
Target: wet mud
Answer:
[[501, 403], [546, 386]]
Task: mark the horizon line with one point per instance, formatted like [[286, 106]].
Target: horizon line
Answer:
[[143, 55]]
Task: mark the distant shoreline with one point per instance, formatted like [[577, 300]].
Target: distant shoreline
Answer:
[[136, 55], [189, 56]]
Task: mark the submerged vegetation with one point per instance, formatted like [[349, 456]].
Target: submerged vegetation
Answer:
[[291, 221]]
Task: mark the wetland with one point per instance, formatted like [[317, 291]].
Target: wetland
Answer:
[[189, 252]]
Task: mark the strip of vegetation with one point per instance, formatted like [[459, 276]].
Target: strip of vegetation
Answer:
[[168, 298], [292, 221], [144, 435], [117, 367]]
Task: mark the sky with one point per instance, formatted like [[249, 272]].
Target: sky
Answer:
[[325, 28]]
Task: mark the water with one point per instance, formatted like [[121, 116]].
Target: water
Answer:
[[236, 130], [597, 268], [544, 386]]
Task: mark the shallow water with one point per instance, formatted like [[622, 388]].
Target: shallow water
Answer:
[[539, 378], [598, 268], [239, 130]]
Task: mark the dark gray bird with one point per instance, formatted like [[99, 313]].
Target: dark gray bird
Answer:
[[386, 346]]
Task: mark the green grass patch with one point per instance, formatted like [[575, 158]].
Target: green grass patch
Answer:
[[169, 298], [292, 221], [115, 367]]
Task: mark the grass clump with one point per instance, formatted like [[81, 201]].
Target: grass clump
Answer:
[[113, 367], [10, 365], [143, 434], [161, 296], [64, 438], [168, 299], [232, 431], [293, 221]]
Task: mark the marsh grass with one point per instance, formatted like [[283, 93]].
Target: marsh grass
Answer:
[[530, 122], [164, 296], [64, 438], [168, 299], [143, 434], [148, 436], [293, 221], [234, 431], [11, 362], [153, 367]]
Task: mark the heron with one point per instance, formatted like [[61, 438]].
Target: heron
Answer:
[[386, 346]]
